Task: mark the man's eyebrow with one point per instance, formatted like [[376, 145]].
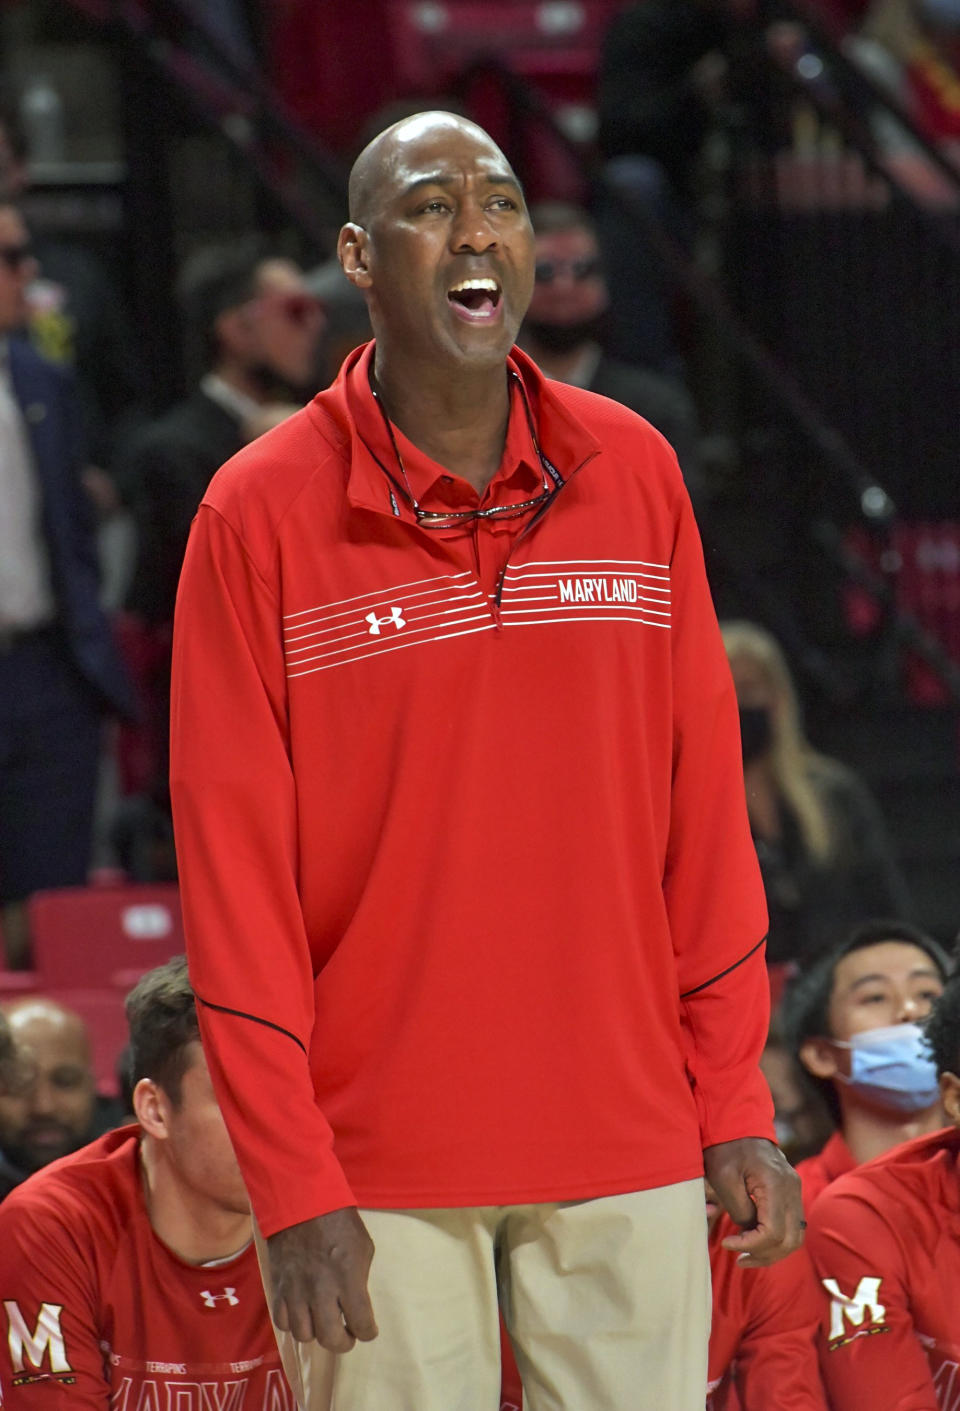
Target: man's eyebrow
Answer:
[[919, 971], [496, 178], [869, 980]]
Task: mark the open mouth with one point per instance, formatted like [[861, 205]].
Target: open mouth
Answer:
[[475, 299]]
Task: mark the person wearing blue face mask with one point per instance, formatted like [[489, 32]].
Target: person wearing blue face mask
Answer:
[[885, 1243], [854, 1023]]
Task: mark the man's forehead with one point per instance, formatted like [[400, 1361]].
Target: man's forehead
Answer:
[[431, 144], [574, 237], [884, 959], [279, 274], [446, 161]]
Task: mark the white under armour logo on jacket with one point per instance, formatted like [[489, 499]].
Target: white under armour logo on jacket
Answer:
[[378, 623]]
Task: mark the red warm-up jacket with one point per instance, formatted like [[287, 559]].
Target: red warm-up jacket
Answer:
[[472, 909]]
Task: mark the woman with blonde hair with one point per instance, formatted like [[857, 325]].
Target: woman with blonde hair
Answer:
[[822, 844]]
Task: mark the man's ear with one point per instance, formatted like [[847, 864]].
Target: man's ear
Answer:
[[819, 1057], [231, 327], [150, 1106], [950, 1096], [353, 251]]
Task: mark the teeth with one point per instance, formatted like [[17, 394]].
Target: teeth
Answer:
[[489, 286]]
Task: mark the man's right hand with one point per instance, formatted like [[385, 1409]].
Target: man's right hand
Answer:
[[319, 1274]]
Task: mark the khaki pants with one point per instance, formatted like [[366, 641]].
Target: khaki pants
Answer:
[[607, 1303]]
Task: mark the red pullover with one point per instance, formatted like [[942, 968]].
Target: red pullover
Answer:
[[99, 1315], [472, 908], [885, 1242], [763, 1335]]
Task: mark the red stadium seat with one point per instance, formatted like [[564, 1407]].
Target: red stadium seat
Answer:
[[96, 938]]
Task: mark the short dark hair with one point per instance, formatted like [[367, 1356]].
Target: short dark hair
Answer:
[[162, 1015], [556, 217], [214, 279], [943, 1028], [805, 1008]]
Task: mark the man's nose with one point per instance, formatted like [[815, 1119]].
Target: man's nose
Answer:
[[41, 1098], [473, 231]]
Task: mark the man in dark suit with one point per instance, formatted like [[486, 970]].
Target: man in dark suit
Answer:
[[253, 328], [59, 669]]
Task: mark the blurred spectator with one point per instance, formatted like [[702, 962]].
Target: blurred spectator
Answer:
[[253, 328], [662, 76], [128, 1271], [823, 848], [13, 1073], [885, 1241], [671, 72], [75, 315], [566, 321], [801, 1119], [853, 1022], [59, 670], [54, 1111], [346, 322]]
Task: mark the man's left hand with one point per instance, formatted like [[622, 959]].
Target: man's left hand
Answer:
[[760, 1191]]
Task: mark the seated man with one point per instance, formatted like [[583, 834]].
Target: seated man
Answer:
[[853, 1021], [885, 1241], [763, 1334], [127, 1270], [11, 1078], [53, 1111]]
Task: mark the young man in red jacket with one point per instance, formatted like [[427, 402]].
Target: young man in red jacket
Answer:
[[885, 1242], [473, 912], [128, 1277]]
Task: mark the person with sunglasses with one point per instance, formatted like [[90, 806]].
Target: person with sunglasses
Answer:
[[252, 332], [473, 914], [565, 327]]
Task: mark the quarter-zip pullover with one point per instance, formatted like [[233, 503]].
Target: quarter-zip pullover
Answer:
[[472, 908]]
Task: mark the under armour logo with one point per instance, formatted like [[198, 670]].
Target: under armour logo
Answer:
[[395, 619], [212, 1299]]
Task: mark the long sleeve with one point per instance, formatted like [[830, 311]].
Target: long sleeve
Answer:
[[872, 1352], [777, 1363], [234, 801], [712, 885], [51, 1356]]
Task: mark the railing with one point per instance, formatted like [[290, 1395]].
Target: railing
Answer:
[[846, 443], [843, 251], [228, 95], [831, 455]]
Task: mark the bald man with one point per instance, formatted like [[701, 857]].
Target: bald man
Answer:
[[473, 914], [53, 1111]]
